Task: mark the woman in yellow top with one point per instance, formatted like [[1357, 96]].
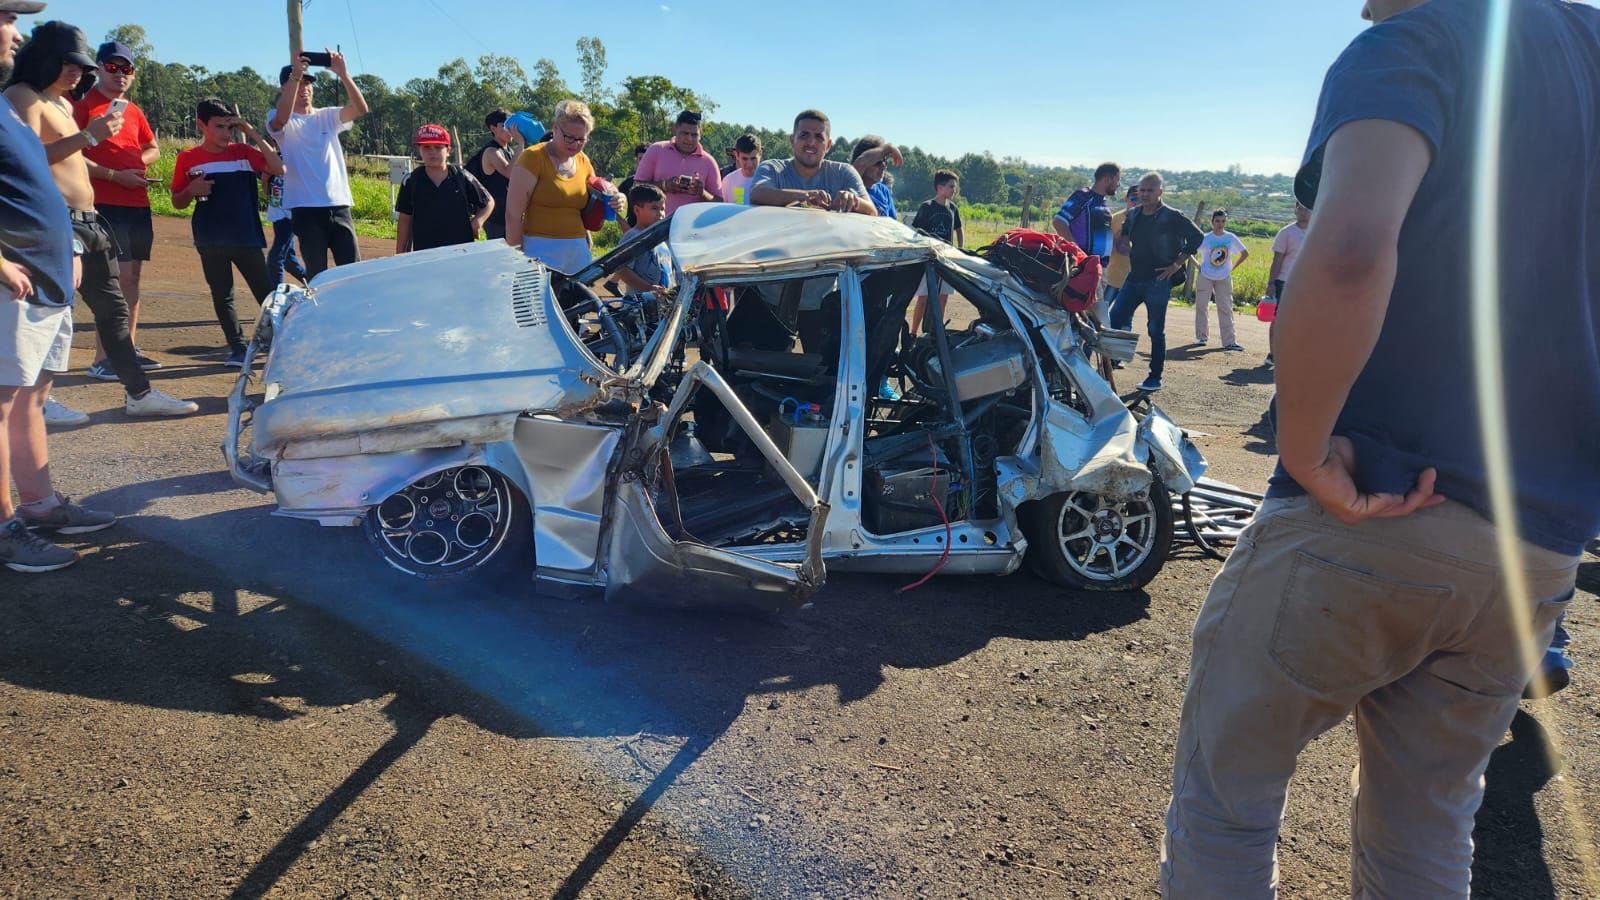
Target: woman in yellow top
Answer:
[[548, 191]]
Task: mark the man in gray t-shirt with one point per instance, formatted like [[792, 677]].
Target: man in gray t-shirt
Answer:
[[808, 178]]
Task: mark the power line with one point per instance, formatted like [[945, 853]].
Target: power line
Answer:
[[475, 38], [355, 35]]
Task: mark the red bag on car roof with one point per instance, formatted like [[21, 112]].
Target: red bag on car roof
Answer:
[[1048, 263]]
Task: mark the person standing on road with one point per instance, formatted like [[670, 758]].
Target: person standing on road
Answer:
[[871, 157], [491, 166], [316, 185], [809, 177], [53, 63], [1285, 247], [222, 178], [938, 218], [1221, 252], [1116, 273], [549, 190], [1085, 219], [681, 167], [1358, 587], [747, 158], [281, 257], [38, 269], [439, 204], [1159, 242], [121, 191]]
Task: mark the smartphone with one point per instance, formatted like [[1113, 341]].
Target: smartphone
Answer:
[[318, 58], [119, 104]]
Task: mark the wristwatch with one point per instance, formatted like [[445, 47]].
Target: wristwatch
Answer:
[[78, 249]]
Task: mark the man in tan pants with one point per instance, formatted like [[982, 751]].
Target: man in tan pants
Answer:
[[1221, 252], [1358, 587]]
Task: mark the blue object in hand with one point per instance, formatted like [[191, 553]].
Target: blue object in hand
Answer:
[[524, 124]]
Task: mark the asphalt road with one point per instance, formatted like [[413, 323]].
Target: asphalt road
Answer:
[[219, 703]]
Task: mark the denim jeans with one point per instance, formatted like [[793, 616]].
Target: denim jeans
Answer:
[[281, 256], [1153, 296]]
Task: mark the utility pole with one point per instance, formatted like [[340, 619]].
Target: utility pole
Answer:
[[295, 45]]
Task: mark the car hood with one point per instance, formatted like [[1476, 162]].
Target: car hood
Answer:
[[433, 347]]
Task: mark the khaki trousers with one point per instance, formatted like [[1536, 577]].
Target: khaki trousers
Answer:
[[1204, 289], [1403, 622]]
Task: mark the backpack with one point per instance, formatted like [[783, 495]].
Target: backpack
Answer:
[[1050, 264]]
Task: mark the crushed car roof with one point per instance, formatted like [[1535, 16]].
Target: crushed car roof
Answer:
[[708, 238]]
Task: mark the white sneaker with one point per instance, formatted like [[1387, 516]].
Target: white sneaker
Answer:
[[157, 403], [58, 413]]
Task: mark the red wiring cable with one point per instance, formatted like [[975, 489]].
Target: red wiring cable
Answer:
[[934, 496]]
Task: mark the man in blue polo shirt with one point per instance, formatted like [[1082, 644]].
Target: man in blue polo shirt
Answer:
[[38, 272], [1370, 581]]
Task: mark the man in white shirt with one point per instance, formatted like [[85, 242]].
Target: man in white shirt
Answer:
[[316, 185], [747, 155], [1220, 252]]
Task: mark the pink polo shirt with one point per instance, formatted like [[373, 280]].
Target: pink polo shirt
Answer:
[[663, 161]]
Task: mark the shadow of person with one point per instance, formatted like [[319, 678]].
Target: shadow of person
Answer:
[[1249, 375], [1509, 840], [1261, 437]]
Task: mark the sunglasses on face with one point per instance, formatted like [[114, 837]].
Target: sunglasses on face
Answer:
[[118, 68]]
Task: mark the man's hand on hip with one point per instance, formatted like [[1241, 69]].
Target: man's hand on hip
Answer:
[[1332, 484]]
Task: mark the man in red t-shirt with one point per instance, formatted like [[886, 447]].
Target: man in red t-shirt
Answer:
[[117, 171]]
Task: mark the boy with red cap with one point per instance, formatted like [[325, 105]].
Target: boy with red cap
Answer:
[[439, 204], [225, 179]]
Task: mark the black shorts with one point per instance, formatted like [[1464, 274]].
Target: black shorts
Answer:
[[131, 227]]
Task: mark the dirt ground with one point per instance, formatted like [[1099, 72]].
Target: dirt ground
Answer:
[[219, 703]]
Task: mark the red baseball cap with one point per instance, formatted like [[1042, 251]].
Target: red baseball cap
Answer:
[[432, 134]]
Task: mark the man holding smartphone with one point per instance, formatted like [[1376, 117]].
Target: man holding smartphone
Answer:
[[121, 192], [316, 187], [681, 167]]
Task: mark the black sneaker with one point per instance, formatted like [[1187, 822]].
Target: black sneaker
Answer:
[[66, 517], [23, 551], [235, 359], [145, 362]]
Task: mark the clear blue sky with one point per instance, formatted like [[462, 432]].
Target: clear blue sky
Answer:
[[1178, 84]]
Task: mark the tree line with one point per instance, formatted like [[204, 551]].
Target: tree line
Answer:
[[640, 108]]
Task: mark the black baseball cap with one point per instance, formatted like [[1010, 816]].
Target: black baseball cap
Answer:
[[65, 41], [113, 50], [24, 7]]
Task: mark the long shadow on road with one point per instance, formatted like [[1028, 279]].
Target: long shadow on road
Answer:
[[511, 661], [1509, 840]]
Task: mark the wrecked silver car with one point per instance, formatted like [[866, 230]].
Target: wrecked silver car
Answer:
[[769, 418]]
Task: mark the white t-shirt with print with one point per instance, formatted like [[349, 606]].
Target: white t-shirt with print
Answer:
[[313, 159], [1217, 254]]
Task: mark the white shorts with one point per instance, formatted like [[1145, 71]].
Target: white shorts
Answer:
[[33, 339], [565, 255]]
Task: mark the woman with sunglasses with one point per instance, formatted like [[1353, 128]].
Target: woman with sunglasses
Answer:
[[548, 191]]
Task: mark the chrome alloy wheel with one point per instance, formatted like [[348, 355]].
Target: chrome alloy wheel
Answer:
[[1103, 541], [445, 523]]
